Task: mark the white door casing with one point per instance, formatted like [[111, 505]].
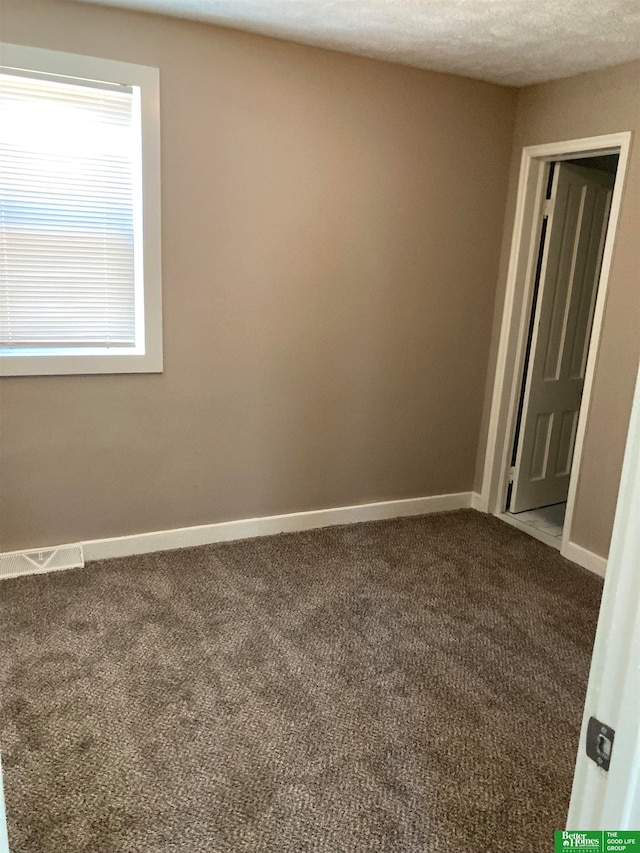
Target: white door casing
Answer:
[[611, 800], [4, 838], [516, 311], [577, 216]]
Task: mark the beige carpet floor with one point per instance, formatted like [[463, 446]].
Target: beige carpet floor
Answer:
[[408, 686]]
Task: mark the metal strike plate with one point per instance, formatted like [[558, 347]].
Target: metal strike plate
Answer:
[[600, 739]]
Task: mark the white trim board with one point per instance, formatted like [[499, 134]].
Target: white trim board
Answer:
[[530, 530], [608, 800], [515, 321], [476, 501], [587, 559], [248, 528], [569, 550], [4, 838]]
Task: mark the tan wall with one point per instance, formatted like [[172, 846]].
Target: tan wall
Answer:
[[331, 234], [588, 105]]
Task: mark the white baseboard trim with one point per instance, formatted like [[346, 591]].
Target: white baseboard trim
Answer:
[[476, 501], [587, 559], [247, 528], [226, 531], [571, 551], [530, 530]]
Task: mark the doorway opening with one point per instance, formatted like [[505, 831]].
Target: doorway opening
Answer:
[[566, 216], [575, 218]]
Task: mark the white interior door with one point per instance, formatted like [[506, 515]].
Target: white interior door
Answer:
[[578, 213]]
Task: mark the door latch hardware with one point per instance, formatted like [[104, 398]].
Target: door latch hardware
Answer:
[[600, 739]]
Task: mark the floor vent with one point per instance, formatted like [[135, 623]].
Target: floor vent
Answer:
[[36, 562]]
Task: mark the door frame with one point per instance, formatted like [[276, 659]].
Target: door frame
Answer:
[[532, 185], [599, 799], [4, 838]]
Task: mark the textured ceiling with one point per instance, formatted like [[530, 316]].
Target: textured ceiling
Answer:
[[513, 42]]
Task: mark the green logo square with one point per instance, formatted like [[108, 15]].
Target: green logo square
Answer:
[[568, 839]]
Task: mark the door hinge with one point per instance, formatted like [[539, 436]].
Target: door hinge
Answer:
[[547, 206], [512, 474]]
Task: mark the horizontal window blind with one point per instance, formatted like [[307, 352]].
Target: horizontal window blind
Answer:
[[67, 160]]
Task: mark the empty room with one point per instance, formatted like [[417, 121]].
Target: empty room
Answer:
[[319, 426]]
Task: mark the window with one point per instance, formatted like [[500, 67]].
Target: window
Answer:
[[80, 287]]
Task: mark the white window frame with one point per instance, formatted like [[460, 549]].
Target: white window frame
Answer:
[[146, 356]]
